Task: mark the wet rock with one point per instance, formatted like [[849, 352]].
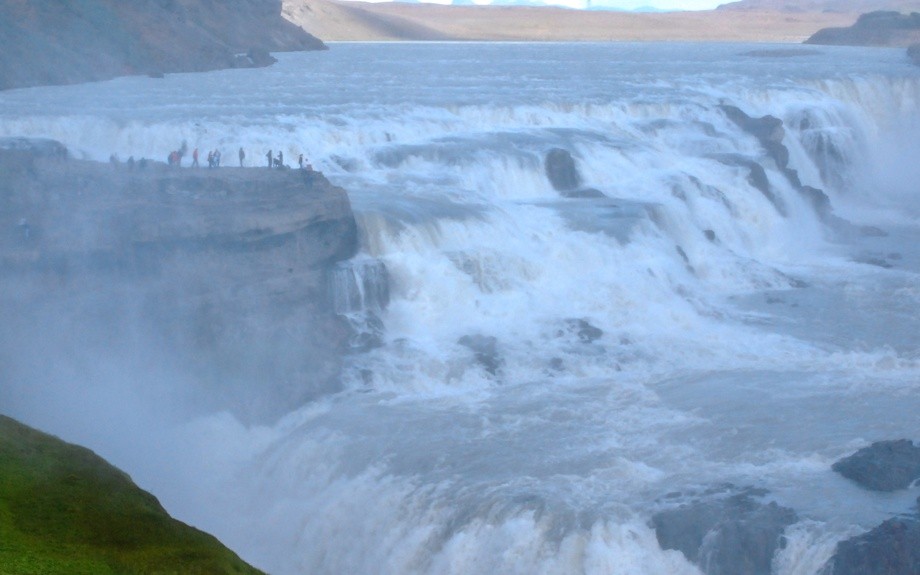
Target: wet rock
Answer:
[[770, 133], [682, 254], [883, 466], [584, 193], [254, 58], [892, 548], [757, 177], [556, 364], [873, 260], [563, 174], [767, 129], [726, 533], [367, 332], [485, 349], [913, 52], [818, 200], [359, 285], [780, 53], [561, 170], [581, 328], [872, 232]]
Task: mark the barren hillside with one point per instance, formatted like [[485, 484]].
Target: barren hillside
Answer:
[[336, 20], [45, 42], [841, 6]]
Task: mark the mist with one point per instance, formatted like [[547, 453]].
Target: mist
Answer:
[[429, 358]]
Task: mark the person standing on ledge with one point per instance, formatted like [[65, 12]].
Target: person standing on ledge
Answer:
[[269, 156], [242, 156], [195, 158], [280, 159]]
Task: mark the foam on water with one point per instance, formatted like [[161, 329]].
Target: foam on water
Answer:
[[741, 337]]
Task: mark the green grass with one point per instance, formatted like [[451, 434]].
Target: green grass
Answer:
[[63, 509]]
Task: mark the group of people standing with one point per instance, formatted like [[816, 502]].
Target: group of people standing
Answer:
[[175, 158], [214, 158], [278, 162]]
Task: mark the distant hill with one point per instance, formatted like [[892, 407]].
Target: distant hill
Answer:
[[873, 29], [63, 42], [335, 20], [838, 6]]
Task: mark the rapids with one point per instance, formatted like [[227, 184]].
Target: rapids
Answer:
[[539, 372]]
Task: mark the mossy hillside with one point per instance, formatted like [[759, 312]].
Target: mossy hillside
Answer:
[[63, 509]]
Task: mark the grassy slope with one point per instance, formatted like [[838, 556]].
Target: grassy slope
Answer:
[[64, 510]]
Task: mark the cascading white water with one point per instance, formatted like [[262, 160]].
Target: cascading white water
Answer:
[[547, 369]]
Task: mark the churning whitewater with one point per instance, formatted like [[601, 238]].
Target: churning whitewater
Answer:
[[537, 373]]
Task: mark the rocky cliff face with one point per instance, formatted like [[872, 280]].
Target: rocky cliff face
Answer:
[[873, 29], [45, 42], [221, 274]]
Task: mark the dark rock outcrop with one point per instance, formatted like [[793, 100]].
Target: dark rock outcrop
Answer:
[[582, 329], [757, 177], [913, 52], [768, 130], [485, 349], [561, 170], [892, 548], [880, 28], [883, 466], [563, 174], [770, 133], [66, 510], [69, 42], [726, 532], [222, 274], [254, 58]]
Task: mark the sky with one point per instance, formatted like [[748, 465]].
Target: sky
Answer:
[[611, 4]]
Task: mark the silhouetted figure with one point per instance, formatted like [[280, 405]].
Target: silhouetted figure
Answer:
[[211, 159], [216, 158], [131, 163], [113, 159], [25, 230], [242, 157], [269, 157], [195, 158], [280, 159], [300, 161]]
